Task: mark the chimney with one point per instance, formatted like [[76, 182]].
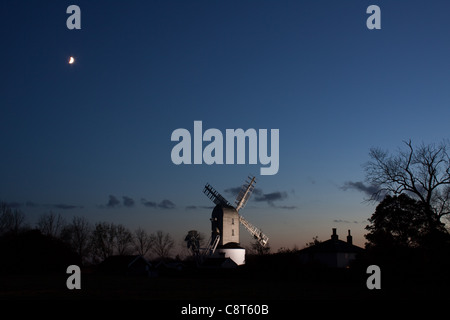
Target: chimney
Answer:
[[349, 238], [334, 236]]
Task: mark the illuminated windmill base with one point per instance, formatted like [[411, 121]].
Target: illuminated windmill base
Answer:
[[225, 222]]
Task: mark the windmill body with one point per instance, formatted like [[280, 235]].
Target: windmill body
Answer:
[[225, 222]]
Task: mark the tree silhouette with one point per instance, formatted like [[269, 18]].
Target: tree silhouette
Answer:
[[193, 241], [422, 172], [102, 240], [314, 242], [143, 242], [402, 222], [123, 239], [78, 234], [109, 239], [51, 224], [163, 245], [11, 221], [258, 249]]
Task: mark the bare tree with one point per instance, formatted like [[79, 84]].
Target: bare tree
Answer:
[[78, 234], [102, 240], [11, 220], [422, 172], [51, 224], [109, 239], [123, 239], [163, 244], [143, 242]]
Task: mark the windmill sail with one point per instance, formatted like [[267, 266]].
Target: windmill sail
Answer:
[[215, 196], [241, 201], [254, 231], [245, 193]]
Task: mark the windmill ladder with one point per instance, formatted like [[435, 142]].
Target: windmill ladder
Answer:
[[212, 246]]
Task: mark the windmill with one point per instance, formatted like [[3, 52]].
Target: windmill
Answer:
[[225, 222]]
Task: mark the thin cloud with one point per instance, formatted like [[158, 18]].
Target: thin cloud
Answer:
[[192, 207], [233, 192], [113, 202], [347, 221], [149, 204], [65, 206], [259, 196], [128, 202], [30, 204], [340, 221], [368, 190], [286, 207], [166, 204], [271, 197]]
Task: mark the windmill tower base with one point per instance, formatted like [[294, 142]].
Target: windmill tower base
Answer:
[[232, 251]]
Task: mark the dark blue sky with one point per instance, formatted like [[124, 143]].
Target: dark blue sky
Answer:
[[72, 136]]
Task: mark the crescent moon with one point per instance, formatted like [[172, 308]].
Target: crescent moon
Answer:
[[71, 60]]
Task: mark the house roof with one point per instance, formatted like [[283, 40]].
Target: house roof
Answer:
[[333, 246], [120, 263], [219, 262]]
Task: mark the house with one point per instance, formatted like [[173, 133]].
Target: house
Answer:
[[333, 253], [135, 265], [169, 268], [219, 262]]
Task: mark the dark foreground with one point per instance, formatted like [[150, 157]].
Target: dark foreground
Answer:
[[281, 292], [242, 284]]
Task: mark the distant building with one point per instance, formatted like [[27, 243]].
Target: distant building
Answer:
[[219, 262], [166, 268], [135, 265], [333, 253]]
